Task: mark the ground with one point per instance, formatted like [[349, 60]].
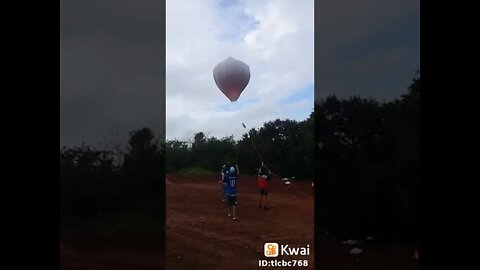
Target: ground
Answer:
[[200, 235]]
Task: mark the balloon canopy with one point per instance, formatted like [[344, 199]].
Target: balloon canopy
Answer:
[[231, 77]]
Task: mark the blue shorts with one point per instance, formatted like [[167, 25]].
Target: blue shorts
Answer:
[[232, 200]]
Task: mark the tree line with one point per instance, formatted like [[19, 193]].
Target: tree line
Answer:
[[92, 185], [368, 166]]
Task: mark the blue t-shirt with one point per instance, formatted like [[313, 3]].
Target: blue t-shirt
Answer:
[[232, 185], [225, 176]]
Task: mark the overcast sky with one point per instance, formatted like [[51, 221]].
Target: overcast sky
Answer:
[[369, 48], [275, 38], [113, 68]]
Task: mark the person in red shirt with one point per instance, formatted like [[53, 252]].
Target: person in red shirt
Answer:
[[264, 176]]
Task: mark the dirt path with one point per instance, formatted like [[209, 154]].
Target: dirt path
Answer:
[[200, 235]]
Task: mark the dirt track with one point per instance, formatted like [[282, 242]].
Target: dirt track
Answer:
[[200, 235]]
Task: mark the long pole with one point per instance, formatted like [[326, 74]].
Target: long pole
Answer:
[[254, 147]]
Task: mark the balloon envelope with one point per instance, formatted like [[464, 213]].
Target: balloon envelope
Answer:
[[231, 77]]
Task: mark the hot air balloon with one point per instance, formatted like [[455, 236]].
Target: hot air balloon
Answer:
[[231, 77]]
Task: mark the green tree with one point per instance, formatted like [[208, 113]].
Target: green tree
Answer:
[[144, 174]]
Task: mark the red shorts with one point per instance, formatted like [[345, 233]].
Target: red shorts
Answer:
[[262, 182]]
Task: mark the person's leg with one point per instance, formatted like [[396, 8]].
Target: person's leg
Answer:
[[234, 207], [261, 198], [266, 200], [229, 206]]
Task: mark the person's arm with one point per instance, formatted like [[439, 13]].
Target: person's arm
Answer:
[[225, 176], [238, 171], [269, 176]]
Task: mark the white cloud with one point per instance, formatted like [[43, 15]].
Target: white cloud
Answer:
[[275, 38]]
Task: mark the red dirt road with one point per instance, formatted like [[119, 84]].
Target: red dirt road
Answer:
[[200, 235], [93, 253]]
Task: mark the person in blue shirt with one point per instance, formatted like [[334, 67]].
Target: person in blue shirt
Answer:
[[223, 181], [232, 191]]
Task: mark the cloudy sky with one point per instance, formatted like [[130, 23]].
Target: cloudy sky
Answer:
[[117, 54], [112, 69], [369, 48], [275, 38]]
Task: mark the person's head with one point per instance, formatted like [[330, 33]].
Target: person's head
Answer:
[[232, 170], [224, 166]]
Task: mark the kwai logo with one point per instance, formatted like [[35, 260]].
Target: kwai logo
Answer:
[[270, 249], [273, 250], [289, 251]]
